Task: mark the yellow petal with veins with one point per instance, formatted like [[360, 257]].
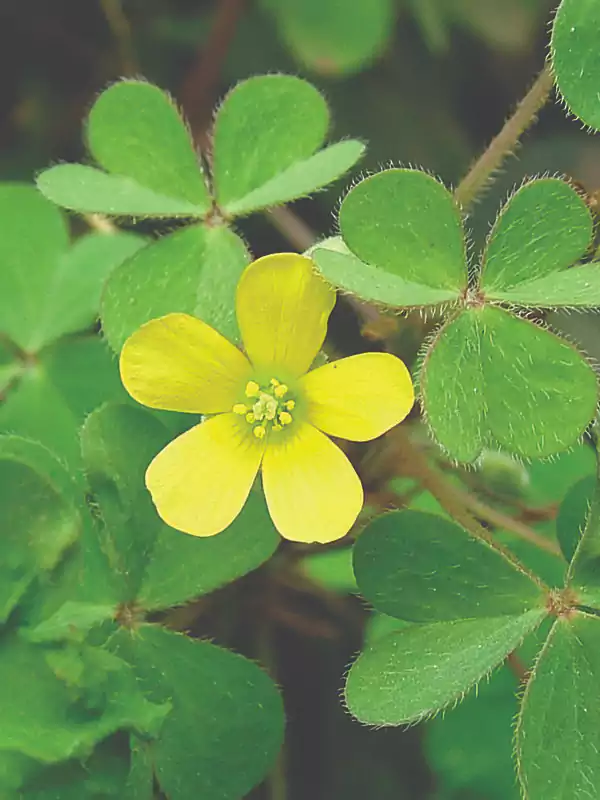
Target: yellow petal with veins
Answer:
[[180, 363], [283, 307], [360, 397], [312, 490], [201, 480]]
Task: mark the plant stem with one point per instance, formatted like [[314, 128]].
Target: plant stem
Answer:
[[199, 86], [121, 30], [505, 142]]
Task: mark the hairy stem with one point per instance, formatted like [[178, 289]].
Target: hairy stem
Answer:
[[505, 142]]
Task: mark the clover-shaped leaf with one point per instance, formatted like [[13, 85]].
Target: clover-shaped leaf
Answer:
[[475, 607], [544, 228], [404, 227], [403, 245], [576, 57], [150, 168], [264, 159], [136, 135]]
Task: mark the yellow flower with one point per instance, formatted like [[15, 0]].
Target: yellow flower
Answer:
[[271, 414]]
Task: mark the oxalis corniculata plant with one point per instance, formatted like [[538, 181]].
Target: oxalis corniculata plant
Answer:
[[119, 512]]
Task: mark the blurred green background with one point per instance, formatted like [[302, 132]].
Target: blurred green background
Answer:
[[425, 83]]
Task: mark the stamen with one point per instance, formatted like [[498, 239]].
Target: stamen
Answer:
[[268, 411], [252, 389]]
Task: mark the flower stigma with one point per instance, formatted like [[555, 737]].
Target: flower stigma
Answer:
[[270, 409]]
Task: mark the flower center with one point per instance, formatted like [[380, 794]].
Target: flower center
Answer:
[[268, 407]]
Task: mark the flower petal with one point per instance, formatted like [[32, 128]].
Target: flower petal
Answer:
[[180, 363], [312, 490], [360, 397], [200, 481], [282, 307]]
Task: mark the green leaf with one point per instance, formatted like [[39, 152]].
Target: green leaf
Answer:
[[344, 270], [252, 146], [72, 621], [576, 59], [334, 37], [39, 524], [73, 300], [583, 575], [195, 270], [424, 568], [331, 569], [226, 726], [140, 782], [10, 366], [58, 390], [559, 711], [183, 567], [136, 134], [412, 674], [302, 178], [578, 287], [90, 191], [47, 720], [544, 227], [406, 223], [34, 239], [158, 565], [572, 515], [42, 461], [484, 359], [101, 776]]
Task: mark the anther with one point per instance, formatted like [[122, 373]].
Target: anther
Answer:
[[252, 389], [280, 390], [250, 417], [240, 408], [285, 418], [260, 431], [290, 405]]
